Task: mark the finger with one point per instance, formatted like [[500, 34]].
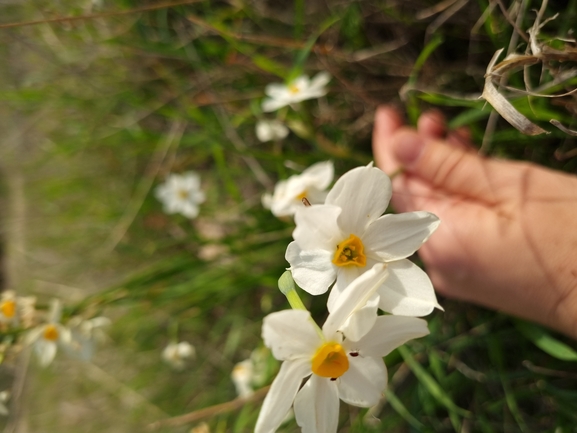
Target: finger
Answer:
[[432, 124], [387, 122], [461, 137], [445, 167]]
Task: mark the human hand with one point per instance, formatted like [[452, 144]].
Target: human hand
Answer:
[[508, 233]]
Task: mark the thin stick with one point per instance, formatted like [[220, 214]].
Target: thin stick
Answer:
[[207, 412], [101, 15]]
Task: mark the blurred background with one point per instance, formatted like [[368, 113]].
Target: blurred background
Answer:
[[100, 100]]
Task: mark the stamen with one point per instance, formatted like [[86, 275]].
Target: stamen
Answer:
[[330, 360], [306, 202], [350, 252], [354, 354]]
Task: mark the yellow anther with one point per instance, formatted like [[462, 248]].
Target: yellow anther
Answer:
[[350, 252], [8, 308], [50, 333], [330, 360]]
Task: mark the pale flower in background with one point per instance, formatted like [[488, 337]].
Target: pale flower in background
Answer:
[[312, 183], [181, 193], [269, 130], [4, 397], [8, 307], [177, 354], [340, 368], [346, 236], [241, 376], [86, 334], [46, 338], [300, 89]]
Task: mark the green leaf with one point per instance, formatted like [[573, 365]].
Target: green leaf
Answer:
[[546, 342], [430, 383]]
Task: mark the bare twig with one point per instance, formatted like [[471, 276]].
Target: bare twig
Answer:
[[207, 412]]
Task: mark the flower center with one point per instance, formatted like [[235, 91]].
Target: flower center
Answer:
[[350, 252], [50, 333], [8, 309], [182, 194], [293, 89], [330, 360], [301, 196]]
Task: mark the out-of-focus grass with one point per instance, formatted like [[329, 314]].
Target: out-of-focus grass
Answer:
[[87, 110]]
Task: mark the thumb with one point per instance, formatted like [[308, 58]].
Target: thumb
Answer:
[[448, 168]]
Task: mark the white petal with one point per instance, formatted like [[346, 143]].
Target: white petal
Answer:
[[362, 320], [363, 383], [317, 227], [363, 193], [276, 90], [388, 333], [290, 334], [320, 80], [317, 406], [354, 297], [408, 291], [269, 105], [45, 351], [281, 395], [312, 270], [397, 236], [345, 276], [320, 174]]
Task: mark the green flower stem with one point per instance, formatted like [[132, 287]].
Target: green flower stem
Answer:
[[287, 286]]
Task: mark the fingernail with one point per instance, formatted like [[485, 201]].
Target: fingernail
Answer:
[[408, 147]]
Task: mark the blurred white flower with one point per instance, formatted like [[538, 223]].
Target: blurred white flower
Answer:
[[45, 339], [311, 183], [176, 354], [300, 89], [340, 368], [8, 307], [242, 375], [181, 193], [4, 396], [86, 334], [344, 237], [268, 130]]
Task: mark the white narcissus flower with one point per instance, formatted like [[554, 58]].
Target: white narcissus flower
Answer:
[[339, 367], [241, 376], [311, 183], [181, 193], [300, 89], [348, 234], [176, 354], [45, 339], [268, 130]]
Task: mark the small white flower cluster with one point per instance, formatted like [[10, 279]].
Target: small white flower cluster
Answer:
[[349, 244], [176, 354], [78, 338]]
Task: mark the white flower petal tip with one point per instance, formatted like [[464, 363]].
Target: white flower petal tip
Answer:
[[310, 184], [300, 89], [177, 354], [181, 193], [270, 130]]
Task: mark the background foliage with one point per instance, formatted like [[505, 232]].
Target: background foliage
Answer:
[[96, 111]]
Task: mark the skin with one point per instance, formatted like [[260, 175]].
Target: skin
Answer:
[[508, 233]]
